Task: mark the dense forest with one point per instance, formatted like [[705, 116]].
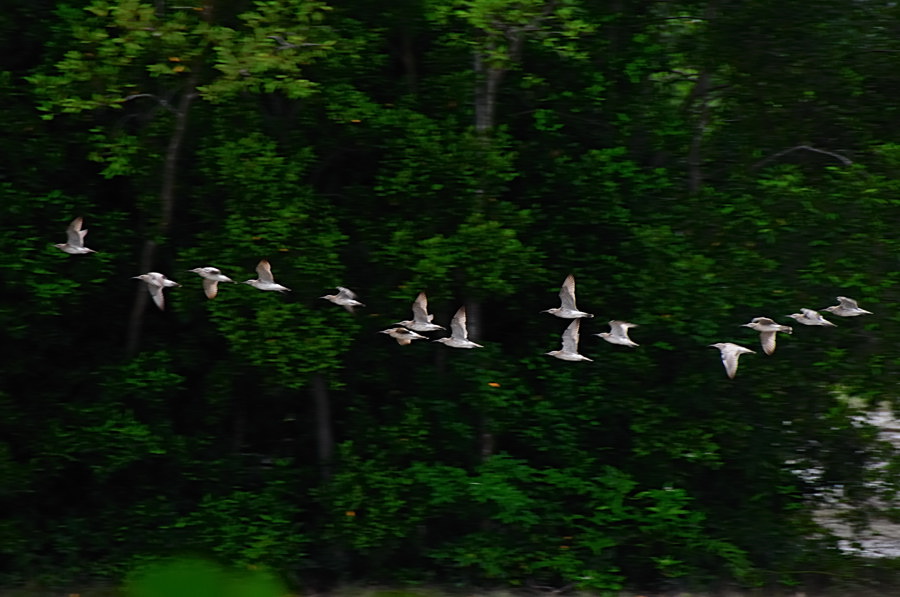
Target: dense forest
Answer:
[[694, 164]]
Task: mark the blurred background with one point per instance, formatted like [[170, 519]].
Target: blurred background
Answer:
[[693, 164]]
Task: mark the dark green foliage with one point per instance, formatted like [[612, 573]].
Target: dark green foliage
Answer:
[[193, 577], [693, 164]]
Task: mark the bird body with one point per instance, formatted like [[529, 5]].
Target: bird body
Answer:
[[211, 278], [811, 317], [421, 321], [846, 307], [266, 280], [345, 298], [567, 308], [618, 333], [74, 244], [403, 336], [767, 329], [459, 336], [569, 350], [730, 354], [156, 282]]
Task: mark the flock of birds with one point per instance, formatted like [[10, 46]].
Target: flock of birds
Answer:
[[405, 332], [768, 329], [730, 352]]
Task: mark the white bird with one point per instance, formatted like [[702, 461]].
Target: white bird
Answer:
[[811, 317], [421, 321], [730, 354], [403, 336], [266, 280], [618, 333], [345, 298], [767, 329], [569, 350], [211, 278], [459, 336], [74, 244], [847, 307], [155, 284], [567, 308]]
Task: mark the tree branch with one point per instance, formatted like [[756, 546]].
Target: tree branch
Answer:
[[158, 99], [844, 160], [283, 44]]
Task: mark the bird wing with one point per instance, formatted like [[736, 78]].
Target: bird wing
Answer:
[[156, 292], [210, 287], [767, 340], [620, 328], [570, 337], [762, 321], [420, 309], [74, 234], [847, 303], [264, 271], [730, 360], [409, 334], [346, 293], [567, 293], [458, 325]]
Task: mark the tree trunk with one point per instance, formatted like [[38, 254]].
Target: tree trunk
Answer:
[[166, 209], [699, 101], [324, 435], [695, 155], [409, 60], [487, 85]]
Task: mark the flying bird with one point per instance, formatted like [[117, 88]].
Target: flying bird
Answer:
[[156, 282], [421, 321], [211, 278], [846, 307], [730, 354], [811, 317], [403, 336], [767, 329], [567, 308], [74, 244], [459, 336], [345, 298], [266, 280], [569, 350], [618, 333]]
